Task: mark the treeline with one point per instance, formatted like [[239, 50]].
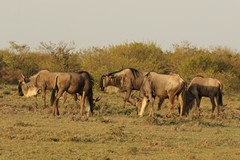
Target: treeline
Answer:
[[185, 59]]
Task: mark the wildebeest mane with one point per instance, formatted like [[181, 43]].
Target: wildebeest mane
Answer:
[[134, 71], [113, 73], [89, 75], [198, 75], [34, 71]]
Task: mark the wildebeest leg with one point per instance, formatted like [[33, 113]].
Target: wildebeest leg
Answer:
[[44, 98], [55, 103], [171, 100], [36, 104], [126, 98], [89, 105], [213, 105], [180, 100], [138, 105], [218, 109], [151, 111], [161, 100], [132, 103], [198, 101], [75, 100], [64, 98], [82, 101], [144, 104]]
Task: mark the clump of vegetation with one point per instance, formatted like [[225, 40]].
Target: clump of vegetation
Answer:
[[185, 59], [6, 92], [117, 134], [23, 124]]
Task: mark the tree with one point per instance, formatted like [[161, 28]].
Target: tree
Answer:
[[18, 49], [62, 55]]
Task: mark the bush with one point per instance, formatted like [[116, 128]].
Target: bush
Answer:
[[185, 59]]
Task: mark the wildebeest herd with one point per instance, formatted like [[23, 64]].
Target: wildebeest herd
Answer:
[[149, 84]]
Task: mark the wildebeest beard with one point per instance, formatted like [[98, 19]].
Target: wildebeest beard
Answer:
[[20, 92]]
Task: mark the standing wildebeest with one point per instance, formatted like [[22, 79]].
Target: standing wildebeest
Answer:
[[162, 86], [43, 80], [73, 83], [204, 87], [126, 80]]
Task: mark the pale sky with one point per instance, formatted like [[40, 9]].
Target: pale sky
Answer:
[[101, 23]]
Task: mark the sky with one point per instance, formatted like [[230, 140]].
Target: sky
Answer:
[[101, 23]]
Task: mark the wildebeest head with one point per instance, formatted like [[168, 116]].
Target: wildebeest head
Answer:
[[26, 87], [188, 101], [105, 81], [21, 82]]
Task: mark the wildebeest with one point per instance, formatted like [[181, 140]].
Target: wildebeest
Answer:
[[204, 87], [162, 86], [73, 83], [125, 79], [41, 81]]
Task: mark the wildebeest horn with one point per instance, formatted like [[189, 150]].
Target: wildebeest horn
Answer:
[[104, 75], [97, 99], [22, 75]]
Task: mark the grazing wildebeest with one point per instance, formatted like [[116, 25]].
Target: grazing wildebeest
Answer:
[[162, 86], [204, 87], [126, 80], [41, 81], [73, 83]]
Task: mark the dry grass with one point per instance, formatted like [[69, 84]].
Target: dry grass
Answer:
[[114, 132]]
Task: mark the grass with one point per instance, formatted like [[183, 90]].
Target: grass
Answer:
[[115, 132]]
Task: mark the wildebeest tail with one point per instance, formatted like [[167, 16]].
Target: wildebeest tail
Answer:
[[182, 88], [182, 94], [90, 98], [54, 91], [219, 94]]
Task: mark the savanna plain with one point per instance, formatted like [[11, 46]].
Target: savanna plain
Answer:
[[115, 132]]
